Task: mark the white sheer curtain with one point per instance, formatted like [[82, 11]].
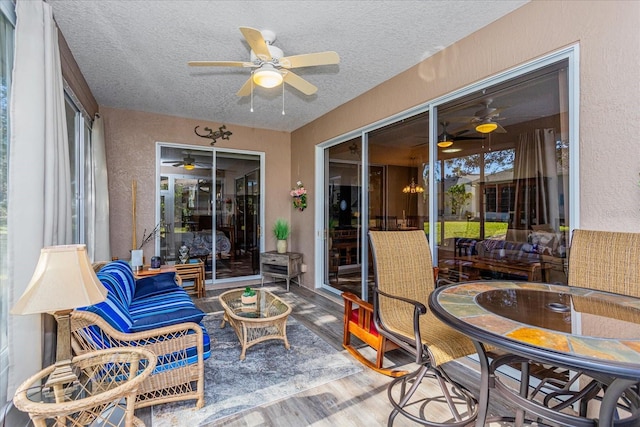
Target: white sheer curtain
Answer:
[[39, 195], [97, 203]]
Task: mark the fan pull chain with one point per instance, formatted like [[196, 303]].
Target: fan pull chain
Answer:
[[251, 91], [283, 98]]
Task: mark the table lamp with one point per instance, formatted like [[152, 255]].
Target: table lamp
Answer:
[[63, 280]]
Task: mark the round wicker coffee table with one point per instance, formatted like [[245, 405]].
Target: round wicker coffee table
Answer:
[[266, 319], [104, 394]]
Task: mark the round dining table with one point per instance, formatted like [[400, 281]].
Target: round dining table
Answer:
[[579, 329]]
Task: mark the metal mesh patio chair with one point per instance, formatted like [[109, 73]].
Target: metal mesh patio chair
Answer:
[[403, 281]]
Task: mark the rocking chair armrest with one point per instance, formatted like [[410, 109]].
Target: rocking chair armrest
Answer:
[[419, 310], [348, 296]]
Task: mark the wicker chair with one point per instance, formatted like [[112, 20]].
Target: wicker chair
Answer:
[[403, 281], [605, 261]]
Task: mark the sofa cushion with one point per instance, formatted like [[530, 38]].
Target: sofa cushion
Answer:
[[120, 276], [112, 311], [147, 287], [167, 318], [161, 303]]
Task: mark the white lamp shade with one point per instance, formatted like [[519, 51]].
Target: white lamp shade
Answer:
[[63, 279]]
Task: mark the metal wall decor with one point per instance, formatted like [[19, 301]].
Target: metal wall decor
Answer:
[[221, 133]]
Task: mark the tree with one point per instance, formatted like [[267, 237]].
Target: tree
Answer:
[[459, 198]]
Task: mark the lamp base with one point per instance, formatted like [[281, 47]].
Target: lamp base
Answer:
[[62, 374]]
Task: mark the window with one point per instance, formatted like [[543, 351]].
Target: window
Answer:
[[7, 21], [79, 135]]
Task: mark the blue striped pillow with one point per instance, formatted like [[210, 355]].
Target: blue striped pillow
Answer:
[[122, 275]]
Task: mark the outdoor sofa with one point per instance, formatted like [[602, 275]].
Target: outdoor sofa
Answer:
[[154, 313]]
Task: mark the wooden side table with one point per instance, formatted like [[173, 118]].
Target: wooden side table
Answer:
[[281, 266], [148, 271], [105, 392], [192, 271]]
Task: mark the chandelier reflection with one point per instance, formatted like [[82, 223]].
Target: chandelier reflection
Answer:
[[412, 188]]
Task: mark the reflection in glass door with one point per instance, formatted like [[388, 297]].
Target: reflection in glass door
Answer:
[[343, 251], [396, 198], [212, 208]]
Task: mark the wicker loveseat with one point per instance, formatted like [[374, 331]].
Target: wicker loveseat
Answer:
[[156, 314]]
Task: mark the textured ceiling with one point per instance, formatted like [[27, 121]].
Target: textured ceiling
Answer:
[[134, 54]]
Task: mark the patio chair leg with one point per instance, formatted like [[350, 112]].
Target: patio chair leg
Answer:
[[409, 385]]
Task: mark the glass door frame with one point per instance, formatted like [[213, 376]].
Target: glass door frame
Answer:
[[216, 283]]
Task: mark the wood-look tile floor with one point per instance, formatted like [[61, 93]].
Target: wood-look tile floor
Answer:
[[357, 400]]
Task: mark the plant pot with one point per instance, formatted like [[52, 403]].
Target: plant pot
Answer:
[[249, 299], [281, 246]]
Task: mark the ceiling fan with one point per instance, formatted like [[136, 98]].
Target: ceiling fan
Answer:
[[445, 139], [270, 66], [188, 162], [485, 119]]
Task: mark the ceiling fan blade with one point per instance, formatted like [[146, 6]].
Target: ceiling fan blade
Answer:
[[245, 90], [256, 42], [310, 59], [467, 138], [299, 83], [220, 64], [500, 129]]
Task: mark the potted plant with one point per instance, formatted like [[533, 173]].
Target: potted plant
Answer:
[[281, 230], [249, 296]]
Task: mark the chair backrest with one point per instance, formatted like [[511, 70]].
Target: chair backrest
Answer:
[[605, 260], [403, 267]]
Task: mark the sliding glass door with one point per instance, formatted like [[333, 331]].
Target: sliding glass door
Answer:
[[210, 208], [389, 196], [489, 177]]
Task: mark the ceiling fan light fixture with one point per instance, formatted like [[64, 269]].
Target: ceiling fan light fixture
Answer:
[[486, 126], [189, 166], [445, 142], [267, 76]]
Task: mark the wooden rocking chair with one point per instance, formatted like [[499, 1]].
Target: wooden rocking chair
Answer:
[[358, 321]]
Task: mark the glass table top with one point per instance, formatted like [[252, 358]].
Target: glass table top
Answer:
[[559, 311], [267, 305], [551, 320]]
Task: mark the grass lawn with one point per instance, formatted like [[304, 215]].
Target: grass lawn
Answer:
[[470, 229]]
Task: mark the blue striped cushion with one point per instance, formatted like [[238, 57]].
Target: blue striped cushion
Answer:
[[167, 318], [165, 303], [121, 275], [113, 312]]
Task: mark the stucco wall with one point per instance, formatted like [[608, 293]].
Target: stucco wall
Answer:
[[607, 33], [131, 138]]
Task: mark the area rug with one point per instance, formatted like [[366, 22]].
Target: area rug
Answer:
[[268, 373]]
